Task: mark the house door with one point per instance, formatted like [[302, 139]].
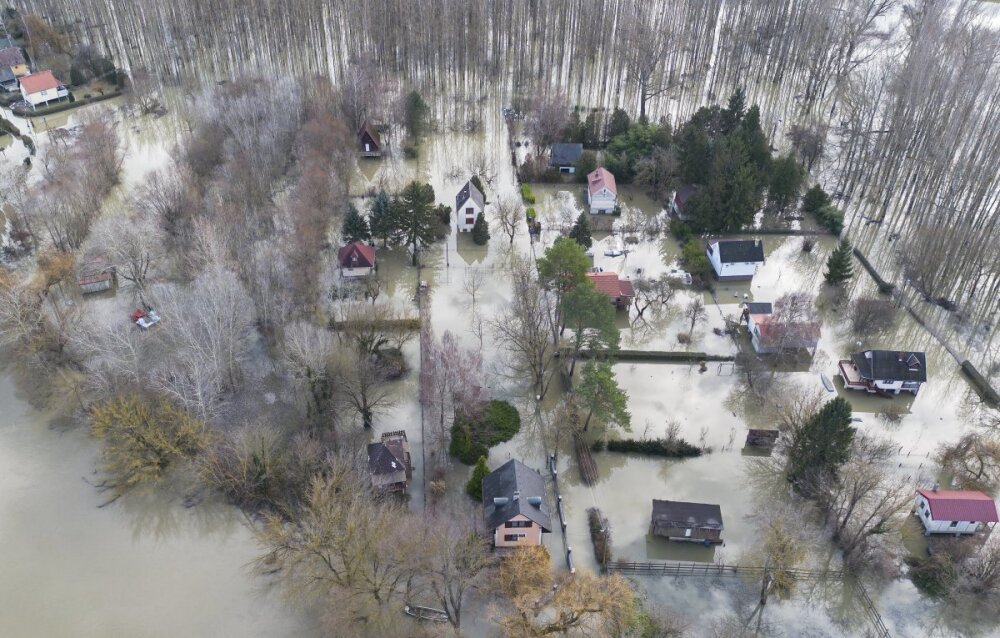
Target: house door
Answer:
[[368, 147], [470, 216], [687, 533]]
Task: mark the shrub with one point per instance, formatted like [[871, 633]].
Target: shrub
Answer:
[[472, 436], [586, 164], [410, 151], [696, 261], [808, 243], [676, 449], [530, 214], [444, 214], [933, 575], [600, 535], [474, 487], [527, 195], [681, 231], [831, 218], [480, 231]]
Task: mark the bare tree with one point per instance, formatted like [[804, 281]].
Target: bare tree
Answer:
[[695, 312], [655, 293], [974, 461], [549, 115], [134, 244], [510, 215], [456, 559], [871, 315]]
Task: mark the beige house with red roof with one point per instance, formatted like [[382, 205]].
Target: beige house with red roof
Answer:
[[954, 511], [356, 259], [602, 192], [42, 88], [619, 291], [772, 336]]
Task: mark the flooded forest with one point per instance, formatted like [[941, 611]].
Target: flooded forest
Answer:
[[305, 324]]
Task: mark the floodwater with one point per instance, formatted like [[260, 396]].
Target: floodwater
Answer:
[[149, 566], [143, 566]]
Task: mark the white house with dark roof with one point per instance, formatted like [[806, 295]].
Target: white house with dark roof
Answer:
[[954, 511], [735, 259], [602, 191], [514, 505], [468, 204], [884, 371]]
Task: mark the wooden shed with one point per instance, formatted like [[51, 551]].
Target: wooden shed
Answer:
[[692, 522], [762, 438], [95, 274]]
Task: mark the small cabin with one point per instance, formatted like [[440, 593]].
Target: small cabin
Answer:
[[735, 260], [95, 274], [884, 371], [954, 511], [369, 141], [42, 88], [619, 291], [356, 259], [772, 336], [690, 522], [602, 192], [763, 439], [514, 505], [679, 202], [565, 156], [469, 202], [389, 462]]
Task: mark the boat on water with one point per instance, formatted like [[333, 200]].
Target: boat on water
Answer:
[[426, 613], [827, 383]]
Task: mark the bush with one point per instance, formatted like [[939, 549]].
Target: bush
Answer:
[[600, 535], [586, 164], [681, 231], [530, 214], [933, 575], [527, 195], [480, 231], [696, 261], [471, 437], [444, 214], [410, 151], [676, 449], [474, 487], [831, 218]]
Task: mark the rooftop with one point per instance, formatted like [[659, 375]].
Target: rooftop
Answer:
[[38, 82], [733, 251], [601, 178], [469, 190], [610, 284], [357, 255], [565, 154], [895, 365], [513, 484], [683, 514], [961, 505]]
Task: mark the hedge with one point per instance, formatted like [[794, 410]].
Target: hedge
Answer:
[[678, 449], [63, 106], [472, 438], [527, 195]]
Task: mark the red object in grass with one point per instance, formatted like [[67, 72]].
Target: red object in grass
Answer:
[[137, 315]]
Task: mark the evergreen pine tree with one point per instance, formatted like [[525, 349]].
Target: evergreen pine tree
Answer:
[[480, 230], [619, 123], [815, 200], [733, 114], [839, 268], [382, 219], [581, 231], [821, 446], [355, 226], [474, 487], [785, 183]]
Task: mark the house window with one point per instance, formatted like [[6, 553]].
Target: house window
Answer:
[[512, 538], [514, 524], [954, 524]]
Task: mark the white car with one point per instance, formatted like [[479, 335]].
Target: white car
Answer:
[[680, 275], [148, 320]]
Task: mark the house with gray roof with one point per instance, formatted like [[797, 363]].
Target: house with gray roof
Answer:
[[565, 156], [389, 462], [735, 259], [884, 371], [468, 204], [514, 505], [683, 521]]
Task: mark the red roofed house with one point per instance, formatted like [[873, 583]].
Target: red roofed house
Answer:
[[356, 259], [41, 88], [954, 511], [602, 192], [619, 291], [770, 335]]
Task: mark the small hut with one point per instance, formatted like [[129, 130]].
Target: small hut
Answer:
[[95, 274], [764, 439], [692, 522], [389, 462]]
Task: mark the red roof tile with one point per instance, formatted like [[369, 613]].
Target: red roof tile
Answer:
[[961, 505], [37, 82], [794, 335], [364, 253], [601, 178], [611, 285]]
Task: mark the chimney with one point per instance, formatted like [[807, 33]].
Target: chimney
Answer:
[[517, 495], [935, 487]]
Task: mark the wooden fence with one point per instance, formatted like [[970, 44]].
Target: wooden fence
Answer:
[[683, 568]]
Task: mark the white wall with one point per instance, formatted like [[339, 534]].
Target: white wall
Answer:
[[932, 526], [44, 96], [461, 215], [355, 272], [603, 201]]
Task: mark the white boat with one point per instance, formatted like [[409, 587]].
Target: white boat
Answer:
[[426, 613], [827, 383]]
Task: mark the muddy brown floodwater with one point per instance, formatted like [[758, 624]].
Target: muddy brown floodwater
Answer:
[[143, 566]]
